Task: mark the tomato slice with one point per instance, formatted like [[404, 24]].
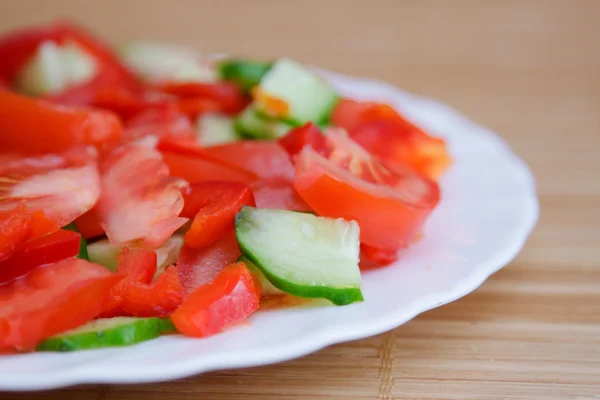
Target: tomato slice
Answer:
[[163, 121], [200, 266], [139, 201], [373, 257], [50, 300], [213, 206], [385, 133], [187, 160], [278, 193], [309, 134], [15, 230], [225, 95], [390, 204], [88, 224], [48, 249], [21, 118], [265, 159], [137, 266], [231, 298], [56, 188], [158, 299]]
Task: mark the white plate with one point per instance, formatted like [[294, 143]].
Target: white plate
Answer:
[[488, 208]]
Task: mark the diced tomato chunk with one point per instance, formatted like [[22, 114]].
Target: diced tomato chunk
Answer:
[[157, 299], [295, 140], [211, 308]]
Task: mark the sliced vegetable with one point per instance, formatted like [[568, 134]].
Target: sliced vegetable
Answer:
[[200, 266], [105, 332], [302, 254], [215, 129], [159, 121], [245, 73], [373, 257], [21, 118], [75, 289], [227, 96], [308, 134], [293, 93], [15, 229], [88, 225], [267, 288], [251, 125], [278, 193], [213, 206], [211, 308], [136, 178], [157, 299], [48, 249], [83, 253]]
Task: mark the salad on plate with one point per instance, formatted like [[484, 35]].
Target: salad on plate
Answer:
[[150, 190]]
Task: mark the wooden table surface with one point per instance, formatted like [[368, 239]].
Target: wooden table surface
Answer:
[[528, 69]]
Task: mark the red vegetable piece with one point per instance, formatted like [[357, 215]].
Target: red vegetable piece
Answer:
[[47, 249], [222, 97], [15, 229], [278, 193], [88, 224], [50, 300], [158, 299], [309, 134], [211, 308]]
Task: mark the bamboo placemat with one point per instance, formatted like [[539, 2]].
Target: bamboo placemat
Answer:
[[528, 69]]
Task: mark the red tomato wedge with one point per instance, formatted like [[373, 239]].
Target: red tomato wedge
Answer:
[[390, 204], [226, 97], [200, 266], [76, 290], [278, 193], [27, 124], [386, 134], [187, 160], [265, 159], [137, 266], [56, 188], [158, 299], [88, 224], [213, 205], [15, 230], [231, 298], [309, 134], [48, 249], [164, 121], [139, 201]]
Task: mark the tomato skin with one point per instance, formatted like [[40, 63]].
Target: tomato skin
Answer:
[[88, 224], [66, 126], [214, 206], [200, 266], [137, 266], [386, 221], [211, 308], [265, 159], [134, 177], [15, 229], [47, 249], [158, 299], [279, 194], [162, 121], [75, 288], [297, 138], [222, 97], [373, 257]]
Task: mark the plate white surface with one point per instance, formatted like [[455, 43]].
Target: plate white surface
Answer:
[[488, 208]]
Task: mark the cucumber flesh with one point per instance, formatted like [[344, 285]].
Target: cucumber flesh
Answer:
[[251, 125], [83, 253], [215, 129], [308, 97], [245, 73], [156, 61], [267, 287], [54, 68], [108, 332], [302, 254]]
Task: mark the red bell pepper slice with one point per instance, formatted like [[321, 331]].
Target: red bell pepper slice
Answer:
[[51, 300], [158, 299], [48, 249], [136, 266], [15, 229], [27, 124], [213, 205], [197, 267], [231, 298], [89, 224]]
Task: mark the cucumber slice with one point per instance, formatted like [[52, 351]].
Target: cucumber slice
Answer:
[[156, 61], [105, 253], [83, 253], [251, 125], [214, 129], [53, 68], [267, 287], [308, 97], [108, 332], [302, 254], [245, 73]]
